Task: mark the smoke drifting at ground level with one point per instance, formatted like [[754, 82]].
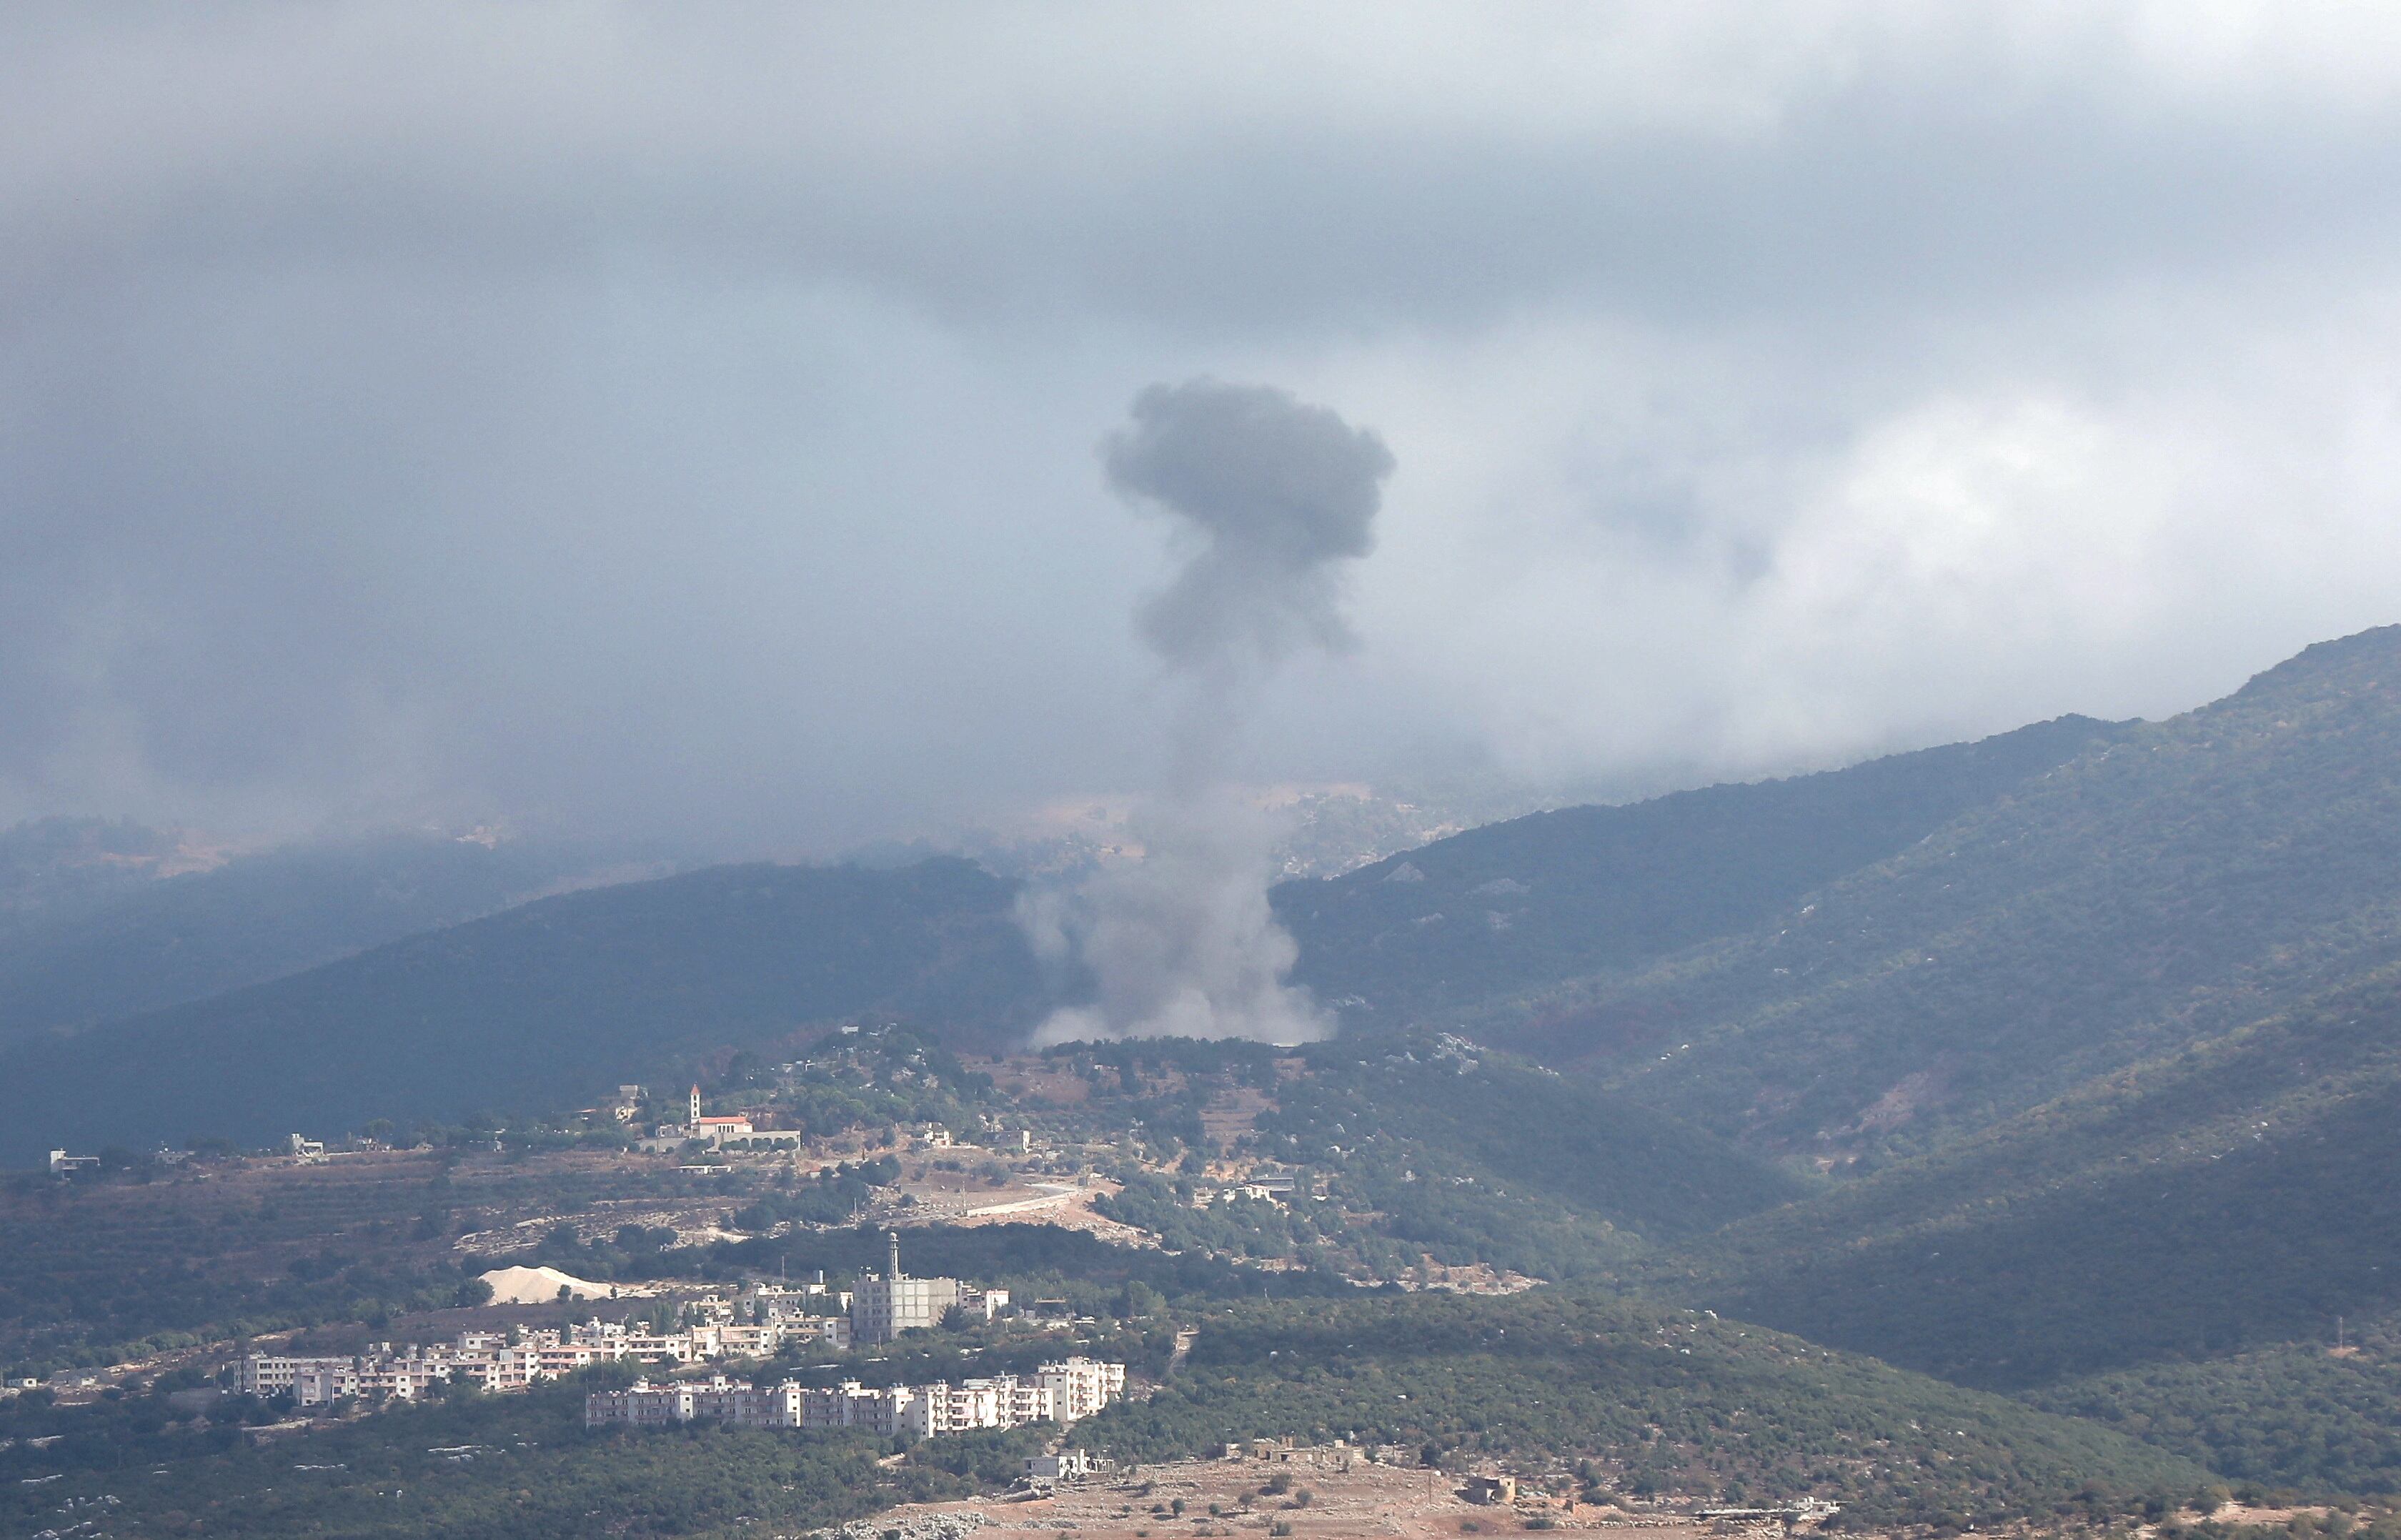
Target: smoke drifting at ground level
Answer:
[[1181, 943]]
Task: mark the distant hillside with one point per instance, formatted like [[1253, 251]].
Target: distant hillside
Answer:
[[2114, 1047], [1518, 905], [2239, 1192], [2182, 879], [537, 1007], [2176, 1249], [89, 932], [56, 861]]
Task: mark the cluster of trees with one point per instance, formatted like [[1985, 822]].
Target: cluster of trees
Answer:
[[96, 1276], [2296, 1419], [630, 1251], [1249, 1228], [833, 1196], [1136, 1063], [1656, 1401], [879, 1079]]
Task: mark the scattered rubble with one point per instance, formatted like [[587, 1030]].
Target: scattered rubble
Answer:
[[952, 1525]]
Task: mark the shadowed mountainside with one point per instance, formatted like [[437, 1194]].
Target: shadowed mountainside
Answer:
[[2182, 879], [1515, 906], [89, 932], [540, 1006], [2237, 1192]]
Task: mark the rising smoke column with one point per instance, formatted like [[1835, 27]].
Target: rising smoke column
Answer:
[[1271, 496]]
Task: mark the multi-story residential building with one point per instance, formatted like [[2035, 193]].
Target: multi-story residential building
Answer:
[[262, 1375], [1062, 1392], [832, 1330], [849, 1405], [945, 1407], [1080, 1387]]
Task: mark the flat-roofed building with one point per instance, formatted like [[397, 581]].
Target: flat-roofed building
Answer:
[[881, 1309], [1003, 1401]]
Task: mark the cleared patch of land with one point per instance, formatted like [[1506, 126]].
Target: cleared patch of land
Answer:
[[1367, 1502]]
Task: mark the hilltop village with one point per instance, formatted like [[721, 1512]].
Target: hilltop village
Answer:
[[1059, 1268], [1182, 1153]]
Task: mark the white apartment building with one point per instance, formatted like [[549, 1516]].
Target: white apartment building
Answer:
[[944, 1408], [719, 1399], [489, 1360], [1062, 1392], [1080, 1387], [848, 1405]]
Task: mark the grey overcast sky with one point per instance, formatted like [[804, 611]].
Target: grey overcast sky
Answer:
[[686, 420]]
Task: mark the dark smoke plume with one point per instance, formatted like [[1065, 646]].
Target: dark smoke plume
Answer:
[[1279, 490], [1276, 493]]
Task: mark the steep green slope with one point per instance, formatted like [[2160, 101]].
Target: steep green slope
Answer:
[[1517, 905], [1661, 1401], [2239, 1192], [2183, 879], [87, 935], [1470, 1156], [2303, 1417], [537, 1007], [1418, 1147]]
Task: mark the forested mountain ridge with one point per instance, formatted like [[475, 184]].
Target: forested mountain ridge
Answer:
[[2236, 1192], [2181, 879], [96, 925], [2031, 912], [540, 1007], [529, 1020], [1513, 906]]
